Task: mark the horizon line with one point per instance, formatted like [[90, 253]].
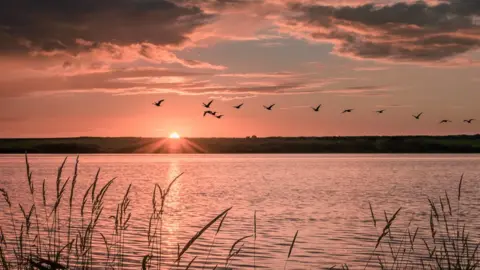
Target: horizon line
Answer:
[[243, 137]]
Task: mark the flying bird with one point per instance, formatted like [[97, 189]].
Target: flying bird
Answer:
[[219, 116], [469, 120], [209, 112], [380, 111], [417, 116], [208, 104], [238, 106], [347, 110], [158, 103], [445, 121], [269, 107], [317, 108]]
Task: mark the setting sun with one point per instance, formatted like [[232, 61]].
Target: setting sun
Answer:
[[174, 135]]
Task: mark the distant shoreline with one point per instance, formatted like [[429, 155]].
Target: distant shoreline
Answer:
[[453, 144], [254, 136]]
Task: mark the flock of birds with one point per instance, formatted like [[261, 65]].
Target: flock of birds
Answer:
[[315, 109]]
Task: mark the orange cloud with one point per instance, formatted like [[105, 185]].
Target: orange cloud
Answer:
[[367, 90]]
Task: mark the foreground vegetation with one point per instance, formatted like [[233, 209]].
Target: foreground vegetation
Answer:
[[48, 238], [374, 144]]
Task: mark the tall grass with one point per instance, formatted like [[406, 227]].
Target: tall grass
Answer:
[[155, 225], [66, 236], [448, 244]]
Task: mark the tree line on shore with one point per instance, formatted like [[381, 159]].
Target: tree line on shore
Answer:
[[253, 144]]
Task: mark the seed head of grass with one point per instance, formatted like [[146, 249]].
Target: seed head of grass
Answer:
[[460, 187], [5, 197], [373, 215], [236, 243]]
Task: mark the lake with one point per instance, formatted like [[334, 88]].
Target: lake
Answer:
[[325, 197]]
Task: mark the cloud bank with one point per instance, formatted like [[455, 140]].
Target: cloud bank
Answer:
[[151, 29], [84, 40], [411, 32], [75, 26]]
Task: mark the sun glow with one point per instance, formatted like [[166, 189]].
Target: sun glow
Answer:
[[174, 135]]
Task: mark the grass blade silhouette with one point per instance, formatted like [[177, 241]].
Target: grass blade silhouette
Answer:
[[291, 249], [291, 246], [213, 241], [145, 260], [199, 233], [190, 263]]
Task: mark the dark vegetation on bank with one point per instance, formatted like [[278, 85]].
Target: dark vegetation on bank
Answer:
[[371, 144]]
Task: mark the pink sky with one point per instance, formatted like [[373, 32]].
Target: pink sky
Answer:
[[90, 68]]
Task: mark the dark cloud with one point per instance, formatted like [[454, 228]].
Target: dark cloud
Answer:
[[128, 30], [78, 25], [401, 31], [220, 4]]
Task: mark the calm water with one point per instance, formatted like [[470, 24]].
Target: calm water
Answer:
[[325, 197]]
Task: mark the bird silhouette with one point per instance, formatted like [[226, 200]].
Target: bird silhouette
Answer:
[[219, 116], [469, 120], [380, 111], [238, 106], [158, 103], [269, 107], [347, 110], [445, 121], [417, 116], [209, 112], [317, 108], [208, 104]]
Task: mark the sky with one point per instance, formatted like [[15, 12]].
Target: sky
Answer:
[[93, 68]]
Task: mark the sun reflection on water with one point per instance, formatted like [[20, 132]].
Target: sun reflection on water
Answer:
[[172, 219]]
